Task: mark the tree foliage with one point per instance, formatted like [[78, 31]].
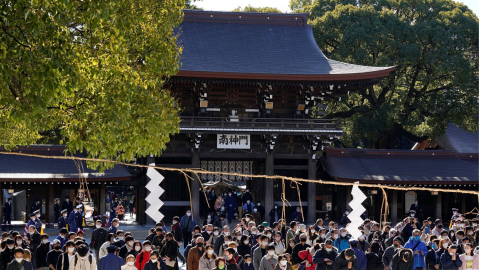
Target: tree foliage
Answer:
[[257, 9], [434, 45], [91, 70]]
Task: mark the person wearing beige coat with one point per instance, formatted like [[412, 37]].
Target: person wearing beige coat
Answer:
[[207, 261]]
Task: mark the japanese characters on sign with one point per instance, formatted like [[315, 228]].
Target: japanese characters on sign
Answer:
[[233, 141]]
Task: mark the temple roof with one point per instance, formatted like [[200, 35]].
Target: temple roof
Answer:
[[458, 140], [401, 166], [265, 46]]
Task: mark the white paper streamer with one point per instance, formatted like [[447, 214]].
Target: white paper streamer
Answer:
[[357, 211], [156, 191]]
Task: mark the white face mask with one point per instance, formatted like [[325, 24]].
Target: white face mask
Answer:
[[264, 243], [246, 242], [322, 235], [10, 247], [269, 235], [98, 226], [254, 210], [328, 249], [137, 248], [174, 222], [189, 214], [247, 219], [312, 231], [210, 251], [445, 237], [239, 237], [45, 241], [38, 215], [19, 260], [130, 243], [148, 248], [120, 238], [467, 250], [70, 249], [271, 252], [283, 262], [344, 234], [334, 236], [154, 260], [254, 232], [451, 253], [215, 233], [130, 263], [445, 245], [116, 226], [248, 202], [19, 242]]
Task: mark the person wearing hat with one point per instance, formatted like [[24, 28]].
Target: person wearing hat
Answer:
[[111, 261], [455, 216], [360, 255], [387, 257], [67, 204], [7, 214], [72, 225], [35, 206], [78, 218], [8, 253], [54, 254], [34, 221], [415, 207], [62, 220], [99, 236], [83, 260]]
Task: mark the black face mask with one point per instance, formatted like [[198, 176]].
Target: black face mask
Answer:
[[303, 240], [396, 245], [57, 248], [199, 244]]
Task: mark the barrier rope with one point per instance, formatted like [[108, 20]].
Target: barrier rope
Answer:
[[278, 177]]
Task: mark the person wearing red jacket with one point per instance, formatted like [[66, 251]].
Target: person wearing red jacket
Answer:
[[144, 256], [307, 256]]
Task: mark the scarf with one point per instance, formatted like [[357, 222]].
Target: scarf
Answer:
[[282, 267], [20, 265], [174, 227]]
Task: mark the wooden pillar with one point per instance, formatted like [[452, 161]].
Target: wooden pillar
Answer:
[[268, 183], [312, 188], [393, 207], [102, 209], [463, 210], [50, 214], [438, 208], [195, 186]]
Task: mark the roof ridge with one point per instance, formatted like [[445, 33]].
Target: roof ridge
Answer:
[[245, 17]]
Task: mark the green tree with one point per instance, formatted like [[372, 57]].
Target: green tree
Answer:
[[298, 6], [189, 5], [434, 45], [257, 9], [91, 71]]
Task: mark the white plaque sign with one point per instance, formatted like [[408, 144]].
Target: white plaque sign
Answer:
[[233, 141]]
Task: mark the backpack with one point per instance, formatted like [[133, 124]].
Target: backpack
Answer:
[[89, 259]]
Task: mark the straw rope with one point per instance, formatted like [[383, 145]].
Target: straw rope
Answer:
[[278, 177]]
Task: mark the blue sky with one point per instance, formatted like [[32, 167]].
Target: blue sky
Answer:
[[228, 5]]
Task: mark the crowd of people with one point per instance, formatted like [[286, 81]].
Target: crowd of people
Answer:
[[249, 244]]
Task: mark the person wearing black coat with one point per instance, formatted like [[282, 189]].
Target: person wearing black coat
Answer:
[[7, 214], [432, 257], [99, 236], [403, 260], [23, 264], [33, 240], [341, 262], [67, 204], [8, 253], [176, 230], [274, 214], [374, 258], [299, 247], [63, 262], [63, 220], [42, 251], [446, 260], [324, 258], [170, 250], [53, 255], [56, 209], [244, 249], [35, 206], [155, 262]]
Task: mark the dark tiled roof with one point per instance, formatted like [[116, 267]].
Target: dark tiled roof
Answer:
[[258, 43], [399, 166], [458, 140], [24, 168]]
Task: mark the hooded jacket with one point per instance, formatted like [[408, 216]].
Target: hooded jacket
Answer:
[[420, 247], [399, 263], [307, 255], [448, 264]]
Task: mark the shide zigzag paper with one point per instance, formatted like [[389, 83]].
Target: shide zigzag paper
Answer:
[[156, 191]]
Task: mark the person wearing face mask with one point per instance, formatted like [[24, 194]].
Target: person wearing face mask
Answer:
[[54, 254], [221, 239], [260, 251], [72, 225], [248, 207], [8, 253], [79, 217], [403, 260], [187, 223], [418, 248], [130, 263], [84, 261], [41, 253], [35, 221], [387, 257], [119, 241], [195, 254], [247, 196], [341, 242], [307, 256], [311, 235], [469, 259], [432, 260], [17, 261], [67, 204], [103, 249], [247, 265], [324, 258], [297, 215], [207, 261], [455, 215], [125, 249], [170, 252], [302, 245], [144, 255], [278, 243], [19, 243], [344, 220], [99, 237], [114, 227], [374, 259], [450, 260], [359, 255], [63, 262], [269, 260], [346, 260], [363, 245], [244, 247], [275, 214], [33, 240], [62, 220], [282, 263], [111, 260]]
